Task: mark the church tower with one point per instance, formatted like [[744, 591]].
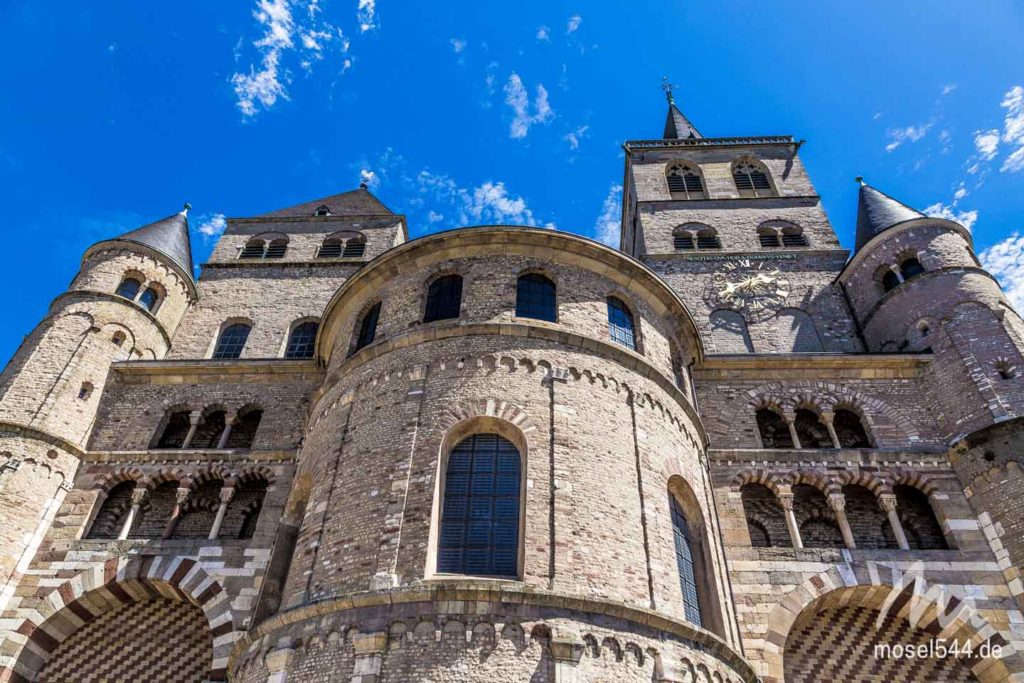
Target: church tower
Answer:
[[125, 303]]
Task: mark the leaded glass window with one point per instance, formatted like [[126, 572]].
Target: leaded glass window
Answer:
[[535, 297], [232, 341], [685, 563], [301, 341], [444, 298], [480, 513], [367, 328], [620, 323], [128, 288], [149, 299]]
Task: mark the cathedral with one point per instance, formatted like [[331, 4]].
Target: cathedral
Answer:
[[729, 451]]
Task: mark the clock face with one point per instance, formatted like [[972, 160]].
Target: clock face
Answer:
[[754, 289]]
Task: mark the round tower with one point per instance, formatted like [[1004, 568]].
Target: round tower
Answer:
[[125, 302]]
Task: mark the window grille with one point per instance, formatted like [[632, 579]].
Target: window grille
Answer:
[[683, 241], [480, 514], [367, 328], [444, 298], [302, 341], [535, 297], [252, 249], [620, 324], [354, 249], [708, 240], [685, 564], [276, 249], [685, 180], [751, 180], [331, 248], [794, 239], [769, 239], [232, 341]]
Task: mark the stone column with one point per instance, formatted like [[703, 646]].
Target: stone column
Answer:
[[566, 651], [827, 416], [193, 418], [887, 501], [278, 663], [226, 494], [837, 502], [139, 494], [898, 273], [791, 423], [180, 496], [229, 422], [786, 499], [369, 651]]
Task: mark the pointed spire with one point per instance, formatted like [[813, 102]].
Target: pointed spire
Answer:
[[168, 236], [877, 211], [677, 126]]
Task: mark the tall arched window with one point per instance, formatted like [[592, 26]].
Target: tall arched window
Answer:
[[751, 179], [444, 298], [685, 562], [729, 332], [128, 288], [367, 328], [175, 431], [232, 341], [815, 519], [922, 529], [479, 531], [302, 340], [150, 299], [196, 516], [773, 429], [243, 433], [111, 516], [684, 182], [535, 297], [766, 520], [620, 323], [911, 267], [850, 429], [207, 434]]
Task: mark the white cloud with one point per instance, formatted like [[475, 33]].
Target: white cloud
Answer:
[[1005, 260], [951, 213], [211, 226], [573, 137], [458, 45], [517, 98], [1013, 129], [489, 202], [960, 193], [264, 85], [543, 33], [365, 13], [948, 88], [434, 216], [607, 227], [987, 143], [898, 136], [369, 178], [574, 23]]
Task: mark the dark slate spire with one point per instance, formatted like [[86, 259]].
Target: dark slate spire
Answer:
[[677, 126], [169, 236], [877, 211]]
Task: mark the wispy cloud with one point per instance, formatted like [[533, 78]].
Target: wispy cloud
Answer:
[[1013, 129], [573, 137], [987, 143], [518, 99], [211, 225], [951, 213], [458, 45], [489, 202], [1005, 260], [366, 13], [899, 136], [608, 224], [543, 33], [948, 88], [574, 23], [307, 35]]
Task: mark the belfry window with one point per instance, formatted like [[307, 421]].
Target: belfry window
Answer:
[[128, 288], [232, 341], [257, 248], [343, 244], [751, 179], [911, 268], [150, 299], [685, 563], [684, 182], [367, 330], [707, 238], [444, 298], [535, 297], [479, 531], [302, 340], [253, 249], [620, 323]]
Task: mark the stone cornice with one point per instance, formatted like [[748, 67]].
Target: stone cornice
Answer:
[[836, 253], [278, 263], [631, 145], [187, 278], [33, 433], [112, 298], [803, 199], [238, 370], [204, 455], [921, 456], [923, 277], [745, 365], [926, 222]]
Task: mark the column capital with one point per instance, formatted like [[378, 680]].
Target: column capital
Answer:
[[837, 502], [181, 495], [139, 494], [195, 417], [827, 416], [887, 501], [227, 493], [786, 500]]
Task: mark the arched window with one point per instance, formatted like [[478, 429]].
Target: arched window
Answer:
[[367, 328], [773, 429], [331, 248], [112, 513], [810, 430], [779, 234], [729, 332], [620, 323], [890, 280], [150, 299], [815, 519], [796, 332], [243, 511], [769, 238], [922, 529], [479, 531], [302, 340], [208, 432], [322, 211], [346, 244], [243, 433], [707, 238], [683, 239], [444, 298], [751, 179], [276, 249], [794, 236], [175, 431], [685, 562], [850, 429], [355, 247], [128, 288], [867, 520], [684, 182], [911, 267], [766, 520], [254, 248], [196, 516], [232, 341], [535, 297], [156, 511]]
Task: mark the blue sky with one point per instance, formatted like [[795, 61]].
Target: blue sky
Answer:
[[115, 113]]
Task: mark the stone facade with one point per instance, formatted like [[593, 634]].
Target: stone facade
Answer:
[[726, 451]]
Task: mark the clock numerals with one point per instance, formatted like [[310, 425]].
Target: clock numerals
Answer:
[[752, 289]]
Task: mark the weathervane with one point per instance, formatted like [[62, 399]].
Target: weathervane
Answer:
[[668, 88]]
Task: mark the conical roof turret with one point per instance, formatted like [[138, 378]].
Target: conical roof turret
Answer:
[[877, 212], [168, 236]]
